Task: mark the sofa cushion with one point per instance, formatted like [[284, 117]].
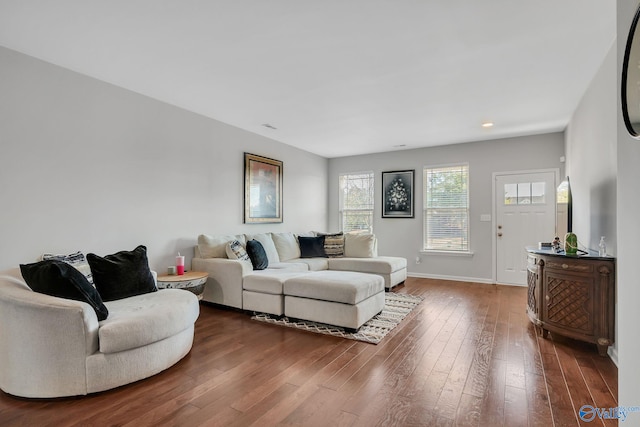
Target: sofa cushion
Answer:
[[312, 247], [257, 255], [267, 244], [313, 264], [268, 281], [286, 245], [235, 250], [378, 265], [216, 246], [77, 260], [291, 265], [339, 286], [60, 279], [123, 274], [144, 319], [360, 245]]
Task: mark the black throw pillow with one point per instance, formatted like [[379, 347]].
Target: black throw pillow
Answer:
[[257, 255], [312, 247], [123, 274], [59, 279]]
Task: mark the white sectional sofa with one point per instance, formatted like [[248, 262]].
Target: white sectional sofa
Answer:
[[235, 283]]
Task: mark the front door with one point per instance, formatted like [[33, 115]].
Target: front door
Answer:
[[525, 215]]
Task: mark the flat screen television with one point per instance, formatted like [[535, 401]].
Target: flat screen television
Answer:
[[564, 209]]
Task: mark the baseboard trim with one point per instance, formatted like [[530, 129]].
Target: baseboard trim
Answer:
[[455, 278], [613, 354]]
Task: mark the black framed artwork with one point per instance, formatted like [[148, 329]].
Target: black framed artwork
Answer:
[[262, 189], [397, 194]]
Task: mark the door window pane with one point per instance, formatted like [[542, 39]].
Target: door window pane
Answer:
[[538, 191], [511, 194], [525, 193]]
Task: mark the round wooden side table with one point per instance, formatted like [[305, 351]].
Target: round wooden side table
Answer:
[[192, 281]]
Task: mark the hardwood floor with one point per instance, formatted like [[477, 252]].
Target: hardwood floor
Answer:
[[466, 356]]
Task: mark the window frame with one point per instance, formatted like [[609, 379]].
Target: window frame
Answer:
[[462, 251], [341, 202]]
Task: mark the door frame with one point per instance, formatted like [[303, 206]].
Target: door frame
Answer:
[[494, 201]]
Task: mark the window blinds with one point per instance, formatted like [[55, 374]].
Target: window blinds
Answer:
[[446, 208], [356, 201]]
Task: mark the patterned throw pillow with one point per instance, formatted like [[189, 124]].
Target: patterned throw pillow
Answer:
[[77, 260], [235, 250], [334, 245]]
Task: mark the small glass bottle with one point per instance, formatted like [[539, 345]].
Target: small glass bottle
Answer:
[[602, 247]]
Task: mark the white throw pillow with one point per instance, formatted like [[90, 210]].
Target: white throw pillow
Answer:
[[286, 245], [235, 250], [216, 246], [77, 260], [360, 245], [267, 244]]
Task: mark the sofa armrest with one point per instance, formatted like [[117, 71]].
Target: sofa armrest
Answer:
[[44, 341], [224, 285]]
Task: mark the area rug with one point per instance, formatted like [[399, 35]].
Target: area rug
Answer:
[[396, 308]]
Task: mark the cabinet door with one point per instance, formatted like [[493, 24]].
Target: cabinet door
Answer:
[[569, 302], [532, 287]]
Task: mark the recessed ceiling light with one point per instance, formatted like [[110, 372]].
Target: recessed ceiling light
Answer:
[[267, 125], [487, 124]]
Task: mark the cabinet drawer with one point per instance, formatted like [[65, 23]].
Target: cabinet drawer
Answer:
[[569, 265]]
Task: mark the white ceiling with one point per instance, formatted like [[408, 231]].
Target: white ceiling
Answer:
[[335, 77]]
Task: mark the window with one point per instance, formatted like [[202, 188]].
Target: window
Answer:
[[446, 208], [356, 201], [525, 193]]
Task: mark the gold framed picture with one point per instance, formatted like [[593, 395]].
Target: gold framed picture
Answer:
[[262, 189]]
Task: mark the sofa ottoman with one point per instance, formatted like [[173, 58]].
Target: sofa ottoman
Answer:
[[392, 269], [341, 298], [262, 291]]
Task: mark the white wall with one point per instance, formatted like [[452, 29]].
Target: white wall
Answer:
[[592, 160], [628, 291], [403, 237], [591, 148], [89, 166]]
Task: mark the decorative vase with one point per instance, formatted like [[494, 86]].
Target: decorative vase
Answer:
[[570, 243]]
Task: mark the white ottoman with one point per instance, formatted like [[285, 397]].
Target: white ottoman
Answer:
[[262, 290], [341, 298]]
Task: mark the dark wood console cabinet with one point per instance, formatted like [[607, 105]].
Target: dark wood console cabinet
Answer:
[[572, 295]]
